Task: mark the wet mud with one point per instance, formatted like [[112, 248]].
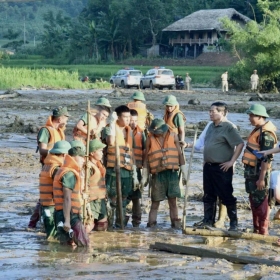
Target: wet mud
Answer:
[[118, 254]]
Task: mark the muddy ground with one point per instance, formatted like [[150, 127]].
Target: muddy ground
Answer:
[[117, 254]]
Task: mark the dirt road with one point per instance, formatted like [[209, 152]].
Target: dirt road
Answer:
[[116, 254]]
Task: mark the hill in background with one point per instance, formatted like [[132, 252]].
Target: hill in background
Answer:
[[14, 16]]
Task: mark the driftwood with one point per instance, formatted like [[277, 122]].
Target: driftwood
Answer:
[[205, 253], [9, 94], [231, 234]]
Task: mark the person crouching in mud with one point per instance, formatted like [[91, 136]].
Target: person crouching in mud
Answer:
[[67, 189]]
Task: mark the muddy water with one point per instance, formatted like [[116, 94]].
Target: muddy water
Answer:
[[117, 254]]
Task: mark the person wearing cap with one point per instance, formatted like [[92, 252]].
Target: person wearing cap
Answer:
[[163, 159], [48, 135], [120, 130], [224, 78], [140, 107], [257, 171], [97, 186], [52, 162], [222, 147], [52, 131], [139, 149], [98, 120], [67, 198], [188, 81], [254, 79], [174, 118]]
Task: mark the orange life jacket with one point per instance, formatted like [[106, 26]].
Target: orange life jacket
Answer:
[[79, 135], [55, 135], [51, 162], [254, 142], [140, 107], [97, 187], [168, 118], [125, 146], [138, 149], [69, 165], [163, 157]]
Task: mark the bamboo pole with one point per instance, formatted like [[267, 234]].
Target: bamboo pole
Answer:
[[231, 234], [187, 180], [118, 179], [87, 163]]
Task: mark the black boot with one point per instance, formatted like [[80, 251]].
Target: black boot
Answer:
[[232, 214], [209, 215]]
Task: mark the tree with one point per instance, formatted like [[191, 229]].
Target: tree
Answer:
[[257, 45]]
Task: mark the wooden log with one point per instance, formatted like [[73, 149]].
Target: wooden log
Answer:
[[231, 234], [205, 253]]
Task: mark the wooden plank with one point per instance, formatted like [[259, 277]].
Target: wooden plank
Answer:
[[232, 234], [205, 253]]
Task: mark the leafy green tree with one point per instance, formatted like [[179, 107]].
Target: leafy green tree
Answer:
[[257, 46]]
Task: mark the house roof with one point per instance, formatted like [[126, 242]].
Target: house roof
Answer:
[[205, 20]]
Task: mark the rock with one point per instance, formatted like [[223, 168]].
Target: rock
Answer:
[[255, 98], [194, 101], [10, 94], [116, 93]]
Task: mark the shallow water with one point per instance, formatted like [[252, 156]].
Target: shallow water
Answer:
[[116, 254]]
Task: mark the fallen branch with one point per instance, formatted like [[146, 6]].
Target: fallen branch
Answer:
[[205, 253], [232, 234]]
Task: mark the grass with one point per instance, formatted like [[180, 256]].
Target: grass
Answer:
[[39, 72]]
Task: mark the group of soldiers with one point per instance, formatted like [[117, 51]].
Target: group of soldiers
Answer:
[[79, 179], [254, 81]]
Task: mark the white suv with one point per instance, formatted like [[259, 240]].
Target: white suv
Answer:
[[128, 77], [158, 77]]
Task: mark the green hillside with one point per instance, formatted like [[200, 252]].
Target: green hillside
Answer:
[[28, 16]]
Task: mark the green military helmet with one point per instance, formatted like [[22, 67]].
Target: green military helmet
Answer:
[[102, 101], [60, 111], [158, 126], [60, 147], [258, 110], [170, 100], [138, 95], [95, 145], [77, 148]]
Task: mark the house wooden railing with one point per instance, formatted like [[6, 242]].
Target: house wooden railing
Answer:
[[192, 41]]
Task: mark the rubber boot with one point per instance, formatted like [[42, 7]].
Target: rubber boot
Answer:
[[35, 217], [209, 215], [255, 216], [222, 216], [232, 214], [111, 217], [263, 215], [151, 225], [136, 220]]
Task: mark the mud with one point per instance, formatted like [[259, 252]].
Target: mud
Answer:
[[118, 254]]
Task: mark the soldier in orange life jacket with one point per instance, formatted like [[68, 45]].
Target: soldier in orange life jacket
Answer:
[[174, 118], [139, 149], [97, 121], [48, 135], [97, 186], [67, 198], [52, 162], [119, 128], [257, 172], [163, 159], [140, 107]]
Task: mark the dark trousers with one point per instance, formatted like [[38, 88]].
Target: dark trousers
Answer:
[[217, 183]]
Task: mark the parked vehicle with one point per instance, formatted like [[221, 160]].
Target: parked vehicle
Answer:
[[158, 77], [126, 78]]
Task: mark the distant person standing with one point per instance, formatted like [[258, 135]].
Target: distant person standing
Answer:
[[188, 81], [254, 80], [224, 78]]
